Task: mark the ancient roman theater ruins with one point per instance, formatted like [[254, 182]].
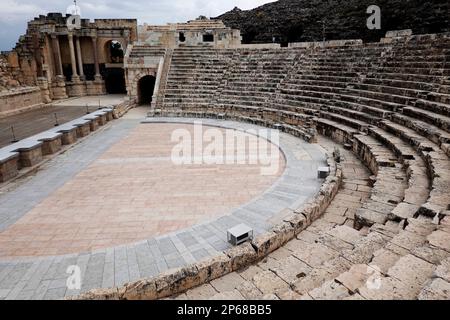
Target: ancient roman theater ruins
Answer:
[[89, 182]]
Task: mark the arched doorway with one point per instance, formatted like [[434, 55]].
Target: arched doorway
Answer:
[[115, 80], [146, 85], [113, 72]]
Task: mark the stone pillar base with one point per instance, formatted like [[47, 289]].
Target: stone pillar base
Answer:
[[76, 88], [96, 87], [59, 88], [45, 91]]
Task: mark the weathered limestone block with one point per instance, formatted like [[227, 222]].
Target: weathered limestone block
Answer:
[[291, 269], [440, 239], [330, 290], [365, 248], [443, 270], [176, 281], [30, 157], [412, 272], [102, 119], [69, 136], [9, 168], [355, 277], [436, 289], [93, 125], [266, 243], [109, 116], [213, 268], [51, 146], [389, 289], [367, 218], [241, 256], [228, 282], [404, 211], [268, 282], [83, 130], [430, 254], [298, 221], [140, 290], [249, 291], [284, 233]]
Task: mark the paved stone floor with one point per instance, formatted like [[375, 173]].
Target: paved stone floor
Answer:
[[33, 122], [98, 179], [133, 192]]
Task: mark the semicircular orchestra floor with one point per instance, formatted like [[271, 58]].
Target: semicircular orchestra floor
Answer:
[[134, 191], [118, 205]]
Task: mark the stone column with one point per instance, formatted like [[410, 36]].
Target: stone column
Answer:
[[57, 55], [80, 58], [72, 59], [59, 85], [96, 63]]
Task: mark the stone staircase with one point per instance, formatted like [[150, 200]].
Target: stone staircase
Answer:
[[386, 235]]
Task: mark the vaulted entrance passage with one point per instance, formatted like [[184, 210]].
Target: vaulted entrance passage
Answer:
[[146, 86], [113, 72], [115, 80]]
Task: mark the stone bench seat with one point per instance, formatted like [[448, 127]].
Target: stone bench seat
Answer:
[[309, 93], [350, 122], [29, 149], [407, 76], [417, 192], [336, 131], [177, 93], [417, 85], [368, 110], [197, 71], [361, 117], [190, 86], [297, 83], [9, 164], [422, 71], [381, 96], [428, 64], [390, 90], [438, 164], [441, 98], [433, 133], [249, 102], [296, 97], [329, 73], [253, 77], [438, 120], [325, 77], [370, 102], [298, 132], [51, 140], [388, 190], [290, 87], [435, 106], [257, 85]]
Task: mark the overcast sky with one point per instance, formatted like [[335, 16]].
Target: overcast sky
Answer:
[[14, 14]]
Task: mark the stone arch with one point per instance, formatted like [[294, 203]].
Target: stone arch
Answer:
[[145, 89], [133, 81], [114, 51]]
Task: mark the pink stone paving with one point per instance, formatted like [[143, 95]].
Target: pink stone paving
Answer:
[[131, 193]]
